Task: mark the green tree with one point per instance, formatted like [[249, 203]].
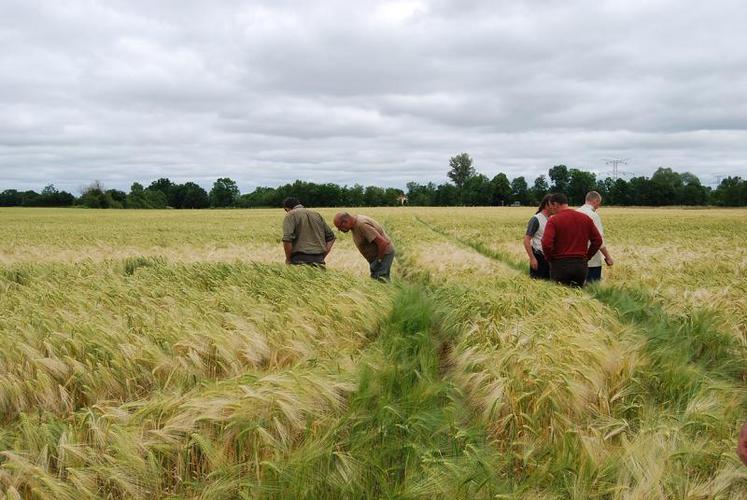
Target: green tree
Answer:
[[501, 189], [619, 193], [580, 183], [165, 186], [688, 178], [461, 169], [10, 198], [603, 187], [145, 198], [642, 192], [119, 197], [391, 195], [50, 197], [560, 179], [447, 195], [520, 191], [374, 196], [731, 192], [693, 193], [354, 196], [225, 192], [190, 195], [261, 197], [29, 198], [666, 187], [477, 191], [95, 196], [539, 189], [421, 194]]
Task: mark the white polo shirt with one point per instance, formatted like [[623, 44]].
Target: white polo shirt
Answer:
[[596, 260]]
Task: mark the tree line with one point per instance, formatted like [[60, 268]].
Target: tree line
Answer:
[[467, 187]]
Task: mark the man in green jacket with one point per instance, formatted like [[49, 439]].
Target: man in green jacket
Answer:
[[307, 239]]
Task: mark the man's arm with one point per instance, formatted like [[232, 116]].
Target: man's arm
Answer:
[[607, 257], [382, 245], [548, 240], [598, 223], [328, 247], [595, 238], [289, 234], [329, 238], [288, 248]]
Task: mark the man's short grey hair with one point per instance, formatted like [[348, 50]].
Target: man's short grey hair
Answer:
[[345, 216], [593, 196]]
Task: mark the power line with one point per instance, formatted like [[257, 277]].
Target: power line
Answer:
[[616, 162]]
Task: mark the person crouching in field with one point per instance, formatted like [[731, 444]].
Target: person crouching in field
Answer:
[[593, 202], [371, 240], [538, 267], [307, 239], [569, 241]]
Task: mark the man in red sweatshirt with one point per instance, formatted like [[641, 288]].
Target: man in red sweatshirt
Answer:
[[570, 240]]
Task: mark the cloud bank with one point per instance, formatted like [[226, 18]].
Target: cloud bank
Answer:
[[366, 92]]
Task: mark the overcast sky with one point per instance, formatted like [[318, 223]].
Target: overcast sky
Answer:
[[366, 92]]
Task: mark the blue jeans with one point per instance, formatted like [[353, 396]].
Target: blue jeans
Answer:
[[594, 274], [380, 269]]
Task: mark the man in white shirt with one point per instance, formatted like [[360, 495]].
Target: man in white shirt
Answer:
[[593, 202]]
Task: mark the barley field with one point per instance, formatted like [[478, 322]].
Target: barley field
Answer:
[[172, 354]]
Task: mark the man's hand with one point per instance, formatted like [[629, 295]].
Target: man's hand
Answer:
[[328, 247], [609, 261], [742, 444], [533, 263], [288, 249]]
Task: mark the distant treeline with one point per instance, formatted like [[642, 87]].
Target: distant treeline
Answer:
[[664, 187]]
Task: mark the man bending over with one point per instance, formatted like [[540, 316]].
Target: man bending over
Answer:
[[371, 240]]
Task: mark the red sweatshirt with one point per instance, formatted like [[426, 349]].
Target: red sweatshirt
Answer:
[[567, 235]]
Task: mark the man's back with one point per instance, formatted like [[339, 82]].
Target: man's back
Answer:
[[364, 232], [567, 235], [306, 230]]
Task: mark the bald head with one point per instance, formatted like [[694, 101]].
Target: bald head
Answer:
[[344, 221]]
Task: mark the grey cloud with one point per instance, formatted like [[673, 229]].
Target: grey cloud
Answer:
[[381, 92]]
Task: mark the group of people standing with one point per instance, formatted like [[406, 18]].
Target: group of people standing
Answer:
[[567, 245], [563, 244], [308, 239]]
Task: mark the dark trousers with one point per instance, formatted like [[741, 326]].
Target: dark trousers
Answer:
[[571, 272], [543, 268], [594, 274], [312, 259], [380, 269]]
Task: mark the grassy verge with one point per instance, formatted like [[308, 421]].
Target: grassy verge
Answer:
[[407, 433]]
